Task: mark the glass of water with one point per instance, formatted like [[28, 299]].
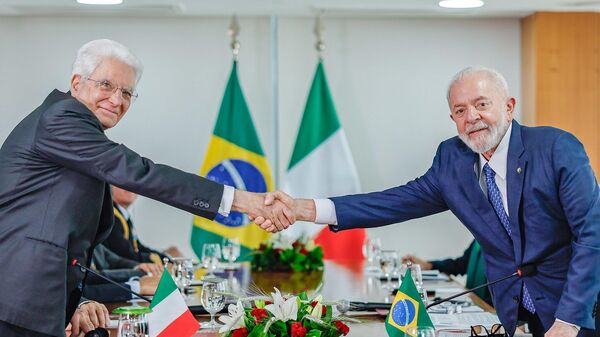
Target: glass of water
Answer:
[[372, 252], [183, 273], [132, 321], [211, 255], [212, 298], [231, 250], [388, 263], [420, 331]]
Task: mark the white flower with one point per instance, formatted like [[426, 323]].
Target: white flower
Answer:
[[283, 310], [310, 245], [235, 320], [282, 242], [318, 309]]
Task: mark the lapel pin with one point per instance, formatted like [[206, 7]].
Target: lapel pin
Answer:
[[519, 170]]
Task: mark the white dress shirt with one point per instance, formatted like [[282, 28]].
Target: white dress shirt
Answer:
[[226, 200]]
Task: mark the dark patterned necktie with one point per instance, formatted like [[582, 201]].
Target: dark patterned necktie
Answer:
[[495, 198]]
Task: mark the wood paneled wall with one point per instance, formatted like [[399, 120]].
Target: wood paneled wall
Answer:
[[560, 75]]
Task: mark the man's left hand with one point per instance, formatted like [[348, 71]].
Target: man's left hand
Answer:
[[561, 329], [88, 317]]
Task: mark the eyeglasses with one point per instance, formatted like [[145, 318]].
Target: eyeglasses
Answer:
[[109, 88], [497, 330]]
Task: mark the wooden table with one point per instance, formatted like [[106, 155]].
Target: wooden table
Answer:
[[340, 280]]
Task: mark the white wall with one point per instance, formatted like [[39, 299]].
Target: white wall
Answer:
[[387, 77]]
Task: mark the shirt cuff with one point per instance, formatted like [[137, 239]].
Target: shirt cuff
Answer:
[[325, 212], [571, 324], [226, 200], [135, 286]]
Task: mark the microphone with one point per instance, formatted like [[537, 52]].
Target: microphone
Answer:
[[523, 271], [75, 263]]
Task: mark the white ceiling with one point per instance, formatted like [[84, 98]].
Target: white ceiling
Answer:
[[350, 8]]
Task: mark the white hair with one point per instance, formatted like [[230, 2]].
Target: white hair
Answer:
[[498, 79], [91, 54]]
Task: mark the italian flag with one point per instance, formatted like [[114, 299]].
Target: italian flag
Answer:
[[170, 316], [322, 166]]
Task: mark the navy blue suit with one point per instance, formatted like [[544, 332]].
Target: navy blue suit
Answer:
[[554, 206]]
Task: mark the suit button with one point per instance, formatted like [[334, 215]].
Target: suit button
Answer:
[[516, 299], [196, 203]]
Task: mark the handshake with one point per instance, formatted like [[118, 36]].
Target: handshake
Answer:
[[273, 211]]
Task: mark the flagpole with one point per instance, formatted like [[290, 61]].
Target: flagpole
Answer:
[[320, 44], [275, 99]]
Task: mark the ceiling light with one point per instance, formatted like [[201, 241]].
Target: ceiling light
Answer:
[[461, 3], [100, 2]]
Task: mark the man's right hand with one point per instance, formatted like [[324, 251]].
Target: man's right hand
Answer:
[[303, 209], [277, 214], [425, 265]]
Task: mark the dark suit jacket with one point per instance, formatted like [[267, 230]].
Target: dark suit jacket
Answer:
[[554, 206], [114, 267], [123, 241], [111, 265], [55, 205]]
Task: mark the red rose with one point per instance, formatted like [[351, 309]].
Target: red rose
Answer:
[[241, 332], [259, 314], [324, 310], [298, 330], [295, 244], [277, 250], [303, 251], [341, 327], [313, 303]]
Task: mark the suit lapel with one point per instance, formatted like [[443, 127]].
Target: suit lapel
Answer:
[[515, 176]]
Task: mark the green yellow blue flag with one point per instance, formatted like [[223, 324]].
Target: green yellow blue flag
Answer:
[[407, 310], [235, 158]]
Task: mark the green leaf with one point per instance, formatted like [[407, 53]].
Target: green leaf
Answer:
[[313, 333], [258, 331], [329, 313]]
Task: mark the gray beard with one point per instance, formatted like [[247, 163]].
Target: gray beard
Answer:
[[488, 141]]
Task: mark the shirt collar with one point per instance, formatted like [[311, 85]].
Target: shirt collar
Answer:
[[123, 211], [499, 158]]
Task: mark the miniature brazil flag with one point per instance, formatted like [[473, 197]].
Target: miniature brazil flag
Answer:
[[407, 310]]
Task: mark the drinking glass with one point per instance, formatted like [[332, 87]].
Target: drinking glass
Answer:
[[231, 250], [388, 262], [372, 251], [415, 272], [211, 255], [420, 331], [212, 298], [183, 273], [132, 321]]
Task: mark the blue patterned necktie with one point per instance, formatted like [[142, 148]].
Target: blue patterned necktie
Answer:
[[495, 198]]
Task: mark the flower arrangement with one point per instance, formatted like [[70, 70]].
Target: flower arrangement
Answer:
[[282, 316], [281, 254]]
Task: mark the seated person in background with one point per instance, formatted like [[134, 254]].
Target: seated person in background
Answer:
[[140, 277], [123, 239], [471, 263]]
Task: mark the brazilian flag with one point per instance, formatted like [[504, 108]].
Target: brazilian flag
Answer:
[[234, 158], [407, 310]]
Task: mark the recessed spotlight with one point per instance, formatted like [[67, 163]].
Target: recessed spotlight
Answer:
[[461, 3], [100, 2]]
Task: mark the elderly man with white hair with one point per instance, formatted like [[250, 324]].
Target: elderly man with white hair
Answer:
[[527, 194], [55, 202]]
